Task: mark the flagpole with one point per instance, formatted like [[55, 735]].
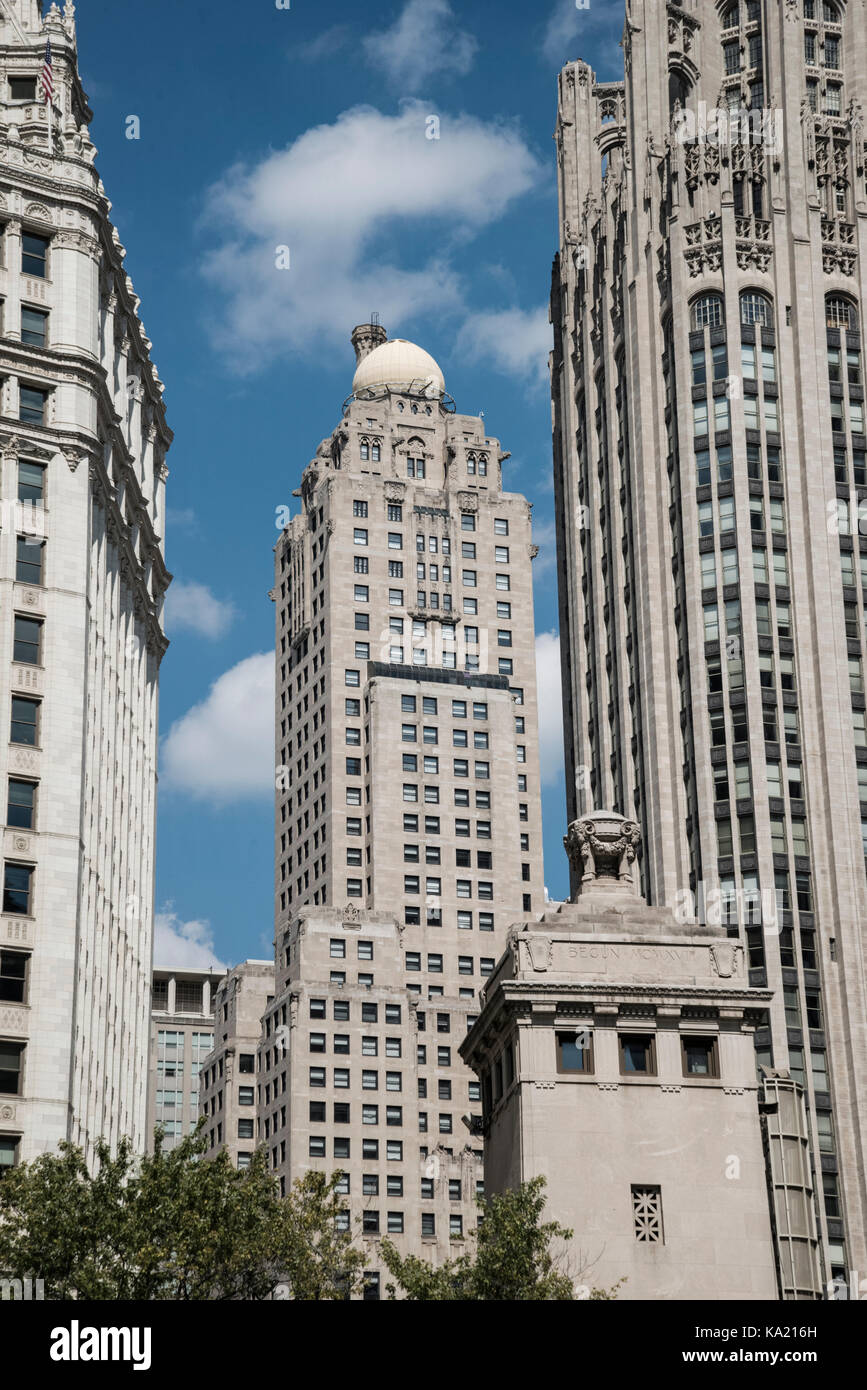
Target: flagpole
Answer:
[[50, 126]]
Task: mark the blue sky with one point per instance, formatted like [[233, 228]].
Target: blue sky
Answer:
[[306, 127]]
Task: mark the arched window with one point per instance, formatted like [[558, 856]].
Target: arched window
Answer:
[[679, 88], [731, 17], [708, 311], [756, 308], [830, 13], [841, 313]]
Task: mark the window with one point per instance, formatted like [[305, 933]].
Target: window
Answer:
[[756, 308], [246, 1095], [34, 255], [841, 313], [18, 888], [31, 481], [21, 805], [637, 1054], [647, 1214], [700, 1056], [708, 310], [11, 1067], [574, 1052], [359, 508], [13, 977], [32, 404], [34, 327]]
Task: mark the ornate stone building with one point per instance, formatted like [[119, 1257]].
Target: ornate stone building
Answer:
[[408, 815], [83, 441], [710, 455], [616, 1059]]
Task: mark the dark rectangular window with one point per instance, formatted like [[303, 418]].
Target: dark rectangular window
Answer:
[[11, 1067], [22, 88], [31, 405], [34, 255], [25, 721], [34, 327], [575, 1051], [17, 888], [700, 1056], [28, 564], [28, 640], [31, 481], [637, 1054], [13, 977], [21, 804]]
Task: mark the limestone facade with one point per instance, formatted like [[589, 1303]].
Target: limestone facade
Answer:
[[710, 454], [83, 441], [228, 1083], [615, 1053], [358, 1074]]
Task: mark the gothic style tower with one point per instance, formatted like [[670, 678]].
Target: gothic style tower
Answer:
[[710, 454], [83, 440]]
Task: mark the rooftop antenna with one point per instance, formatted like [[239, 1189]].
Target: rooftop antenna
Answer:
[[374, 318]]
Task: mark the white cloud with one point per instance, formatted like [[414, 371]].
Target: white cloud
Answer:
[[222, 750], [514, 341], [331, 198], [569, 31], [325, 45], [192, 606], [183, 945], [550, 707], [422, 42]]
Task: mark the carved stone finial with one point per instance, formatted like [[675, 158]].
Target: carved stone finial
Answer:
[[601, 848]]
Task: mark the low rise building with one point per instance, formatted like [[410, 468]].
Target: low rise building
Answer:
[[615, 1052]]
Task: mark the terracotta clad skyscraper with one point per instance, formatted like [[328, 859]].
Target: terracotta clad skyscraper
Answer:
[[710, 452]]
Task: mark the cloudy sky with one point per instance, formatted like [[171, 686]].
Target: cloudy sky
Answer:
[[300, 135]]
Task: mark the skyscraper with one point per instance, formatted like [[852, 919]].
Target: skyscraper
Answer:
[[408, 776], [408, 809], [710, 449], [84, 439]]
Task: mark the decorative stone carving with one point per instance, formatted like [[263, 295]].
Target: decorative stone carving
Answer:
[[351, 916], [725, 958], [601, 849], [540, 949]]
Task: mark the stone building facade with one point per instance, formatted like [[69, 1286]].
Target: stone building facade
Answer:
[[709, 448], [182, 1034], [357, 1073], [616, 1058], [229, 1088], [408, 795], [83, 441]]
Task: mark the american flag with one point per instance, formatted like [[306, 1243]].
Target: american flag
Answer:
[[47, 78]]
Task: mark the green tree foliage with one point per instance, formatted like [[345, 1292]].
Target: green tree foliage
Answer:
[[172, 1225], [513, 1259]]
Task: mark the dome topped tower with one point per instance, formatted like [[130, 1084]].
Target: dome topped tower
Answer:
[[401, 366]]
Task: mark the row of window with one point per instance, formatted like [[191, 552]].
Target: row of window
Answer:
[[708, 311]]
